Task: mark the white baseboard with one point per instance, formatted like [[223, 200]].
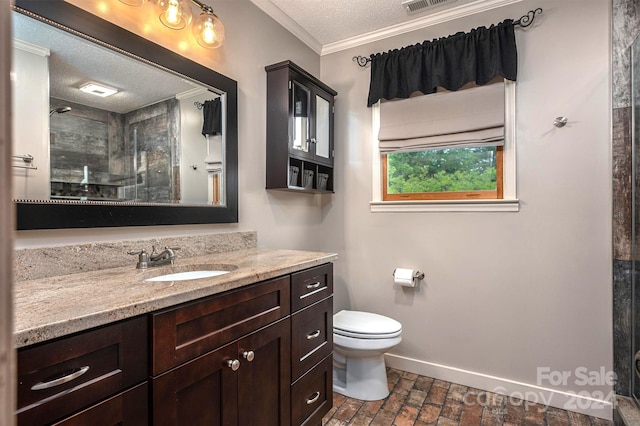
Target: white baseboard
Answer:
[[602, 408]]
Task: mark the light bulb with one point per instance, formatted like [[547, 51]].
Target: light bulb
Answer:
[[174, 14], [208, 33], [208, 30]]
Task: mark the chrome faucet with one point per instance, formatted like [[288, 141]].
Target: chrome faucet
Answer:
[[146, 260]]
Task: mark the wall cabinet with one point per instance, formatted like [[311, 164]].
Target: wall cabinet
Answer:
[[300, 111], [256, 355]]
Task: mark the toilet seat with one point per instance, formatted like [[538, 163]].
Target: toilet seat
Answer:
[[365, 325]]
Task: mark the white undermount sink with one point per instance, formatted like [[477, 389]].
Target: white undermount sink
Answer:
[[187, 272], [190, 275]]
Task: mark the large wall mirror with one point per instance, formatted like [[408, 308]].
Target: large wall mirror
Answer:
[[160, 150]]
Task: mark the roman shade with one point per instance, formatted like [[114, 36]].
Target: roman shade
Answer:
[[471, 117]]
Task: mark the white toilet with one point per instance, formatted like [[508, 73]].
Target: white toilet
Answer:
[[360, 340]]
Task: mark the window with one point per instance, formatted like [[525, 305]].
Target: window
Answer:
[[444, 174], [446, 150]]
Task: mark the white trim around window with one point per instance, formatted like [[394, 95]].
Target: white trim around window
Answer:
[[509, 203]]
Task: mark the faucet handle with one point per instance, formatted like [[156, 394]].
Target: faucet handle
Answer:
[[143, 258], [174, 248]]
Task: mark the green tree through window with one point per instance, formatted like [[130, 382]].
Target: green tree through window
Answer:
[[446, 170]]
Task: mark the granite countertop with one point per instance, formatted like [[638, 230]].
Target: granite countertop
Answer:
[[52, 307]]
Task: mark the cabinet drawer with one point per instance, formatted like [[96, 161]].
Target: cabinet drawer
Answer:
[[311, 336], [184, 333], [129, 408], [61, 377], [311, 285], [312, 395]]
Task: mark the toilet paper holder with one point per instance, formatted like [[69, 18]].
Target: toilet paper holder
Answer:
[[417, 275]]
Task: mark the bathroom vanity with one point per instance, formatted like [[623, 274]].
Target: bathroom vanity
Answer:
[[252, 346]]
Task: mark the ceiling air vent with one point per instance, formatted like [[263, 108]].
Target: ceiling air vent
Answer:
[[413, 6]]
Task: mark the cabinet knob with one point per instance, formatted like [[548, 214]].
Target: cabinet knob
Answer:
[[233, 364], [248, 355]]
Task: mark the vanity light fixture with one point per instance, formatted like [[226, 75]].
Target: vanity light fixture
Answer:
[[98, 89], [207, 28], [174, 14]]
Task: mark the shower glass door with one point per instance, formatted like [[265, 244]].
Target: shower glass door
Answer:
[[635, 219]]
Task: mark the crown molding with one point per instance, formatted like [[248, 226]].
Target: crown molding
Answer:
[[415, 24], [31, 48], [289, 24]]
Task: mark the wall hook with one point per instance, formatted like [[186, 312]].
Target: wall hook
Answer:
[[560, 121]]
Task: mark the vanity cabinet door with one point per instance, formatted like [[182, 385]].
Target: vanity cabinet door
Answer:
[[264, 382], [201, 392], [210, 390]]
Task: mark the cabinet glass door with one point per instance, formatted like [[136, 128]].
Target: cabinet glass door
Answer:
[[300, 102], [322, 141]]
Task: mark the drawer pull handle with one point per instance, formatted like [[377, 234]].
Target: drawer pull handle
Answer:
[[59, 381], [233, 364], [314, 285], [313, 335], [313, 398], [248, 355]]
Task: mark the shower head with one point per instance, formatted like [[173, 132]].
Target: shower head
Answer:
[[60, 110]]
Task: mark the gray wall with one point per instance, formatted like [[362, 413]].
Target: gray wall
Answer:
[[504, 293]]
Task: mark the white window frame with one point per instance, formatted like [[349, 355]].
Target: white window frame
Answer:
[[509, 202]]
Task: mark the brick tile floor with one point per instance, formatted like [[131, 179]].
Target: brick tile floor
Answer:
[[420, 401]]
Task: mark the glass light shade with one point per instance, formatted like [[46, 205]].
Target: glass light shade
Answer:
[[174, 14], [208, 30], [133, 2]]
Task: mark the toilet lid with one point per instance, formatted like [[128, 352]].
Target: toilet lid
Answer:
[[365, 325]]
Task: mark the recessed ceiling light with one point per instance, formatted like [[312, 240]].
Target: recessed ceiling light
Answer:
[[98, 89]]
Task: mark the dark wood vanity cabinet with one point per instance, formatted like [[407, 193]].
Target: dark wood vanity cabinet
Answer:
[[99, 374], [212, 390], [256, 355], [231, 355], [300, 111]]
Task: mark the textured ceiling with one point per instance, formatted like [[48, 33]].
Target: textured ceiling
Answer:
[[331, 21]]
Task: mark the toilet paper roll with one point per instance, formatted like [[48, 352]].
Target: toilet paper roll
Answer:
[[404, 277]]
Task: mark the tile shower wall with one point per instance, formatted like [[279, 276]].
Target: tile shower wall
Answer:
[[625, 29], [106, 142]]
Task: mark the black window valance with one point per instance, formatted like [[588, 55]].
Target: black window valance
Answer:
[[449, 62], [212, 113]]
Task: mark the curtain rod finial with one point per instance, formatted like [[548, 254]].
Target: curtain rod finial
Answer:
[[361, 60], [527, 19]]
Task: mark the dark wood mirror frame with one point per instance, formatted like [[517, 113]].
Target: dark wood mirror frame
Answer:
[[43, 215]]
